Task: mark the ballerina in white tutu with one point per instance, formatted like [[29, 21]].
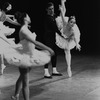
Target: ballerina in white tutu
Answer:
[[70, 33], [26, 56], [5, 30]]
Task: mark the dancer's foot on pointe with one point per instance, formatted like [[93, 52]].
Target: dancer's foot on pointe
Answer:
[[15, 97], [69, 73]]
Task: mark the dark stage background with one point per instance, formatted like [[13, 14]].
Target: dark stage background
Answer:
[[87, 14]]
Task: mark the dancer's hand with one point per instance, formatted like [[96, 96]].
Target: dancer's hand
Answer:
[[19, 46], [13, 45], [78, 47], [60, 8], [16, 45], [11, 42], [51, 52]]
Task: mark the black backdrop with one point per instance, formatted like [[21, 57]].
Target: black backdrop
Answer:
[[87, 15]]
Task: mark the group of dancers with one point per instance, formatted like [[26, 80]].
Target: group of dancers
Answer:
[[61, 31]]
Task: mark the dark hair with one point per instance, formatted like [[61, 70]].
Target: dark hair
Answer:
[[20, 17], [71, 17], [49, 5], [5, 5]]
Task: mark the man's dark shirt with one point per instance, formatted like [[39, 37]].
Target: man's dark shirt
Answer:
[[50, 30]]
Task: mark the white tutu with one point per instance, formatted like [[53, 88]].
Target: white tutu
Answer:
[[5, 29], [4, 46], [26, 55], [65, 43]]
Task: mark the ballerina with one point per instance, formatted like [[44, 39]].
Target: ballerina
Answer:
[[5, 30], [70, 33], [24, 55]]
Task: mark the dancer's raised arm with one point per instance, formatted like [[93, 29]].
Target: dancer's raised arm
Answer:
[[8, 19]]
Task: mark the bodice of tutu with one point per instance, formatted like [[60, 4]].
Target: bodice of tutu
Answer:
[[63, 28], [28, 47]]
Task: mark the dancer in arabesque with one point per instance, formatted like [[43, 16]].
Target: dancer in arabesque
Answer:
[[70, 33]]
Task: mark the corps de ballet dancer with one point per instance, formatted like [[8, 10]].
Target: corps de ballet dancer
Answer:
[[24, 55], [70, 33], [5, 30]]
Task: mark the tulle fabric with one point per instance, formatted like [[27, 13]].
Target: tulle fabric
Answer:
[[6, 29]]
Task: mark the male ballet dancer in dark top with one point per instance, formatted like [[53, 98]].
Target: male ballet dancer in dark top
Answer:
[[51, 28]]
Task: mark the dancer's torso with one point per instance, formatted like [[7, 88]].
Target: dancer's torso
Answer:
[[28, 47], [68, 32]]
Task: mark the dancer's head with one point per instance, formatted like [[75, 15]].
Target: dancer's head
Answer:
[[50, 9], [22, 18], [71, 21], [6, 7]]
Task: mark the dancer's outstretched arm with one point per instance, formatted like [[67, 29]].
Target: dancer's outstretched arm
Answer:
[[8, 19], [10, 15], [77, 44]]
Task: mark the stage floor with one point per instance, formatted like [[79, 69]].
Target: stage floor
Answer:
[[84, 84]]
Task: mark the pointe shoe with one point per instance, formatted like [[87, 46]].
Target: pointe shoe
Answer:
[[2, 68], [69, 73]]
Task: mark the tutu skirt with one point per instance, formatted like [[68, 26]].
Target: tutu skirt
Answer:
[[6, 29], [20, 58], [64, 43]]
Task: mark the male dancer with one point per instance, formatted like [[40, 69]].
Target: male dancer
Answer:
[[49, 39]]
